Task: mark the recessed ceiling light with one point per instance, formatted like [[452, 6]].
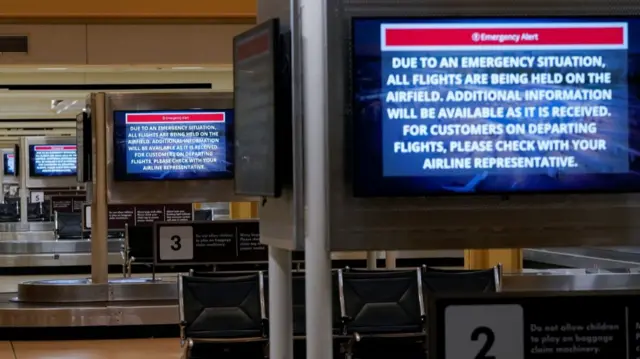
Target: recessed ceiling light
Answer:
[[187, 68], [52, 68]]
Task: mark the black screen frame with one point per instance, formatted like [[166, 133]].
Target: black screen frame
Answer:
[[351, 101], [32, 172], [5, 165], [124, 177], [17, 156], [84, 152], [281, 92]]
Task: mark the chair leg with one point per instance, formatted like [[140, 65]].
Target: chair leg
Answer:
[[187, 349], [265, 350], [350, 346]]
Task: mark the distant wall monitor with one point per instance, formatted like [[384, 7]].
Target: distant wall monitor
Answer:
[[262, 103], [173, 145], [495, 105], [9, 163], [48, 160]]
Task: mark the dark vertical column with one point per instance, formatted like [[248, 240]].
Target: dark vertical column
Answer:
[[280, 304]]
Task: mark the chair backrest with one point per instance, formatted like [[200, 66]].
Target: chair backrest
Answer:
[[222, 307], [381, 302], [220, 274], [35, 211], [9, 212], [461, 281], [140, 241], [203, 215], [68, 225], [366, 270]]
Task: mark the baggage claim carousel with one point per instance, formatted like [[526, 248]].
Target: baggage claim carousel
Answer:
[[142, 301], [76, 302], [35, 245]]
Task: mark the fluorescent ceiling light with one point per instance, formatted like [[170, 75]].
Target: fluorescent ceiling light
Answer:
[[187, 68], [52, 68]]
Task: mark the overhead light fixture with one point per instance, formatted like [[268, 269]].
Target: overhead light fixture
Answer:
[[187, 68], [52, 68]]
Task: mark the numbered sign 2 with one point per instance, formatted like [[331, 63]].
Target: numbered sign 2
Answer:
[[37, 197], [484, 332], [175, 243]]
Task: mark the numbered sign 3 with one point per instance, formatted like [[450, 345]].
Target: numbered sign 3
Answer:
[[175, 243], [484, 332]]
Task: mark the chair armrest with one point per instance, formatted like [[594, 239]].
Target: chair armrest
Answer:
[[183, 338]]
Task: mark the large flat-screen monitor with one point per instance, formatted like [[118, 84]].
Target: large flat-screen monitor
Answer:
[[262, 104], [495, 105], [9, 161], [47, 160], [173, 145]]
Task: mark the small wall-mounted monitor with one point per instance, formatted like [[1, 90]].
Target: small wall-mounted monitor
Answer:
[[52, 160], [9, 163], [262, 101], [173, 145]]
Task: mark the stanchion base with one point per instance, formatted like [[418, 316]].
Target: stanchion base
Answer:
[[83, 291], [30, 315]]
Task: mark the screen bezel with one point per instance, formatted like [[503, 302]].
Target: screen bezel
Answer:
[[229, 138], [350, 127], [32, 170], [83, 136], [17, 156], [5, 165], [272, 27]]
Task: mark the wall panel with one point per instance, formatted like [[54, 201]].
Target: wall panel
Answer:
[[48, 44], [161, 44], [128, 9]]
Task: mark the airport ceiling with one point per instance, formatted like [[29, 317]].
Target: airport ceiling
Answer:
[[32, 97]]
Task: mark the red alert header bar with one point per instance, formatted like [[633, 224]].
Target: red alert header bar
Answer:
[[253, 47], [501, 36], [55, 148], [174, 117]]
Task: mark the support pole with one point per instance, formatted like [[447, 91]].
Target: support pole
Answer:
[[99, 208], [372, 260], [23, 190], [390, 258], [280, 305], [317, 255]]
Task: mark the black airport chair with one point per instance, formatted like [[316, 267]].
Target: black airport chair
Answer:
[[68, 225], [461, 281], [137, 247], [35, 212], [381, 305], [367, 270], [9, 212], [203, 215], [221, 310], [220, 274]]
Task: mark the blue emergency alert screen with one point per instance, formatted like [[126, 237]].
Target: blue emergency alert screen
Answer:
[[173, 145], [495, 105]]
